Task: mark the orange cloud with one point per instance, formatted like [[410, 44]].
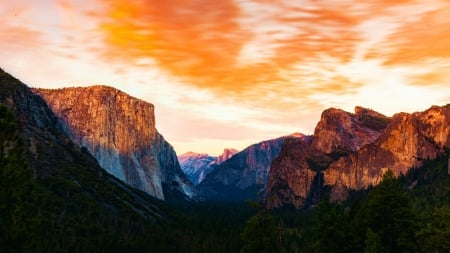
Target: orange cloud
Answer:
[[437, 78], [187, 38], [240, 49], [417, 41], [201, 41]]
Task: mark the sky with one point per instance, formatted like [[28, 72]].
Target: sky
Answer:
[[230, 73]]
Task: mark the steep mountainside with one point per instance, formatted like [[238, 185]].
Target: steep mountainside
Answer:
[[406, 143], [299, 167], [72, 203], [244, 175], [197, 166], [341, 131], [119, 131], [352, 151]]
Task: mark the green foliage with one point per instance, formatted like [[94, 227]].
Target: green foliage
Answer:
[[429, 184], [373, 122], [331, 229], [435, 231], [373, 243], [260, 234], [388, 212], [15, 182], [79, 208]]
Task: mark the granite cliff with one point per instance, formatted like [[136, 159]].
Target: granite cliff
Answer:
[[351, 151], [119, 131], [407, 141], [66, 173], [296, 175], [226, 154]]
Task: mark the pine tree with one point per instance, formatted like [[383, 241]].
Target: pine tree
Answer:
[[260, 234], [388, 212], [435, 232], [331, 229], [373, 243], [15, 180]]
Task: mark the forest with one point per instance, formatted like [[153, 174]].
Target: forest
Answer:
[[58, 214]]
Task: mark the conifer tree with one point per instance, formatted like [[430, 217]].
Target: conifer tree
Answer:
[[388, 212], [15, 178]]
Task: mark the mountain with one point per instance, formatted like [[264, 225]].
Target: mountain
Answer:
[[350, 151], [119, 131], [243, 175], [197, 166], [59, 198], [407, 141], [226, 154]]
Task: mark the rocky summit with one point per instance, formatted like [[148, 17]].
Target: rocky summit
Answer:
[[351, 151], [119, 131], [407, 141]]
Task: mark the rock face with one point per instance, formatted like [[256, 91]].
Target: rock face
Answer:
[[54, 157], [342, 131], [290, 177], [244, 175], [352, 151], [300, 165], [197, 166], [119, 131], [407, 141], [226, 154]]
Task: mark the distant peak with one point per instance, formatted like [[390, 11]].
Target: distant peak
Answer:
[[189, 153], [227, 154], [297, 135], [192, 154], [229, 150]]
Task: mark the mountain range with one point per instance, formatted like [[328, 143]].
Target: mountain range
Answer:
[[348, 151], [351, 151], [244, 175], [85, 170], [197, 166]]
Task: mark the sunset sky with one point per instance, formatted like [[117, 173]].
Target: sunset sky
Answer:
[[230, 73]]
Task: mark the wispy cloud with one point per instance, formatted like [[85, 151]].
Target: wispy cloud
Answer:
[[237, 69], [239, 48]]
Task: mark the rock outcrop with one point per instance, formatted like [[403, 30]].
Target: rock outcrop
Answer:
[[244, 175], [197, 166], [407, 141], [226, 154], [119, 131], [342, 131], [352, 151], [300, 165], [290, 177]]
